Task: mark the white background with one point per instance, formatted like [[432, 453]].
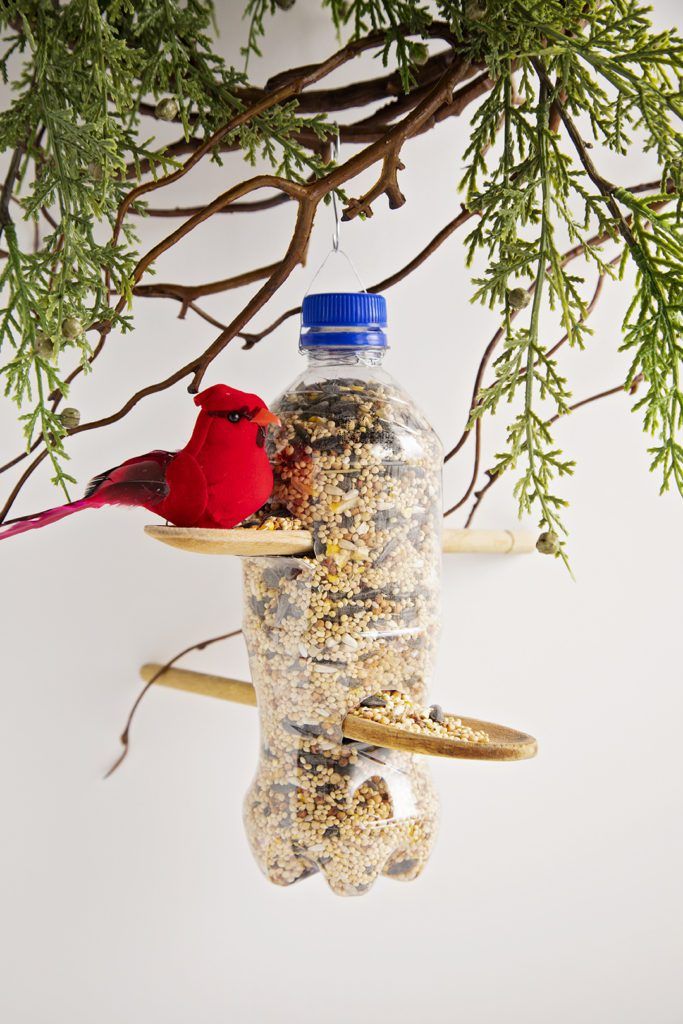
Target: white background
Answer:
[[554, 893]]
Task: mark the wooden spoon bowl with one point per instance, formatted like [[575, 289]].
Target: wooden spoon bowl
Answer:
[[504, 744]]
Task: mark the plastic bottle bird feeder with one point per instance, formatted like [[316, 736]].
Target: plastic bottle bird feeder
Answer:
[[341, 618]]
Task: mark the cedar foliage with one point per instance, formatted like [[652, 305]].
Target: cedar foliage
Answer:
[[567, 80]]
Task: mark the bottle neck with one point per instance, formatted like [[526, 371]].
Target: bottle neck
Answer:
[[348, 356]]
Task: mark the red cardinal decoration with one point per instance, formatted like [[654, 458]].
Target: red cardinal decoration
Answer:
[[218, 479]]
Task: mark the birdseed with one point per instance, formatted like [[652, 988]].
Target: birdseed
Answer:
[[258, 522], [394, 708]]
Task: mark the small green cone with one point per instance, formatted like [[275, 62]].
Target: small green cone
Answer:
[[518, 298], [548, 543], [167, 109], [70, 418], [42, 345], [72, 328]]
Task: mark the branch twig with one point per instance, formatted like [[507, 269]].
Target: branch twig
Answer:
[[477, 426], [8, 185], [125, 735], [493, 476]]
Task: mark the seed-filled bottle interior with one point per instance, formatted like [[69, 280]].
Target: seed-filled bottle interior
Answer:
[[359, 465]]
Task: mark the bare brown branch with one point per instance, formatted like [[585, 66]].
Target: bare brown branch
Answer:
[[187, 293], [8, 185], [125, 735], [357, 94], [492, 476]]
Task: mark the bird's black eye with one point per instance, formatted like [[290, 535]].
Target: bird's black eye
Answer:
[[234, 417]]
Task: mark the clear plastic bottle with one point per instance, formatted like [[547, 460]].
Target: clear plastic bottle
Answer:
[[359, 465]]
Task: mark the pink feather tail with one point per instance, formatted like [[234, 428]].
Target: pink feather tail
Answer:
[[51, 515]]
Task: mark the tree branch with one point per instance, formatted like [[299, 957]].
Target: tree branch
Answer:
[[345, 97], [308, 197]]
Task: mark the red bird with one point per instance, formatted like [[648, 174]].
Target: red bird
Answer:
[[218, 479]]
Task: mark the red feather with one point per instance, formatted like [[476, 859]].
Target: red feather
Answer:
[[221, 476]]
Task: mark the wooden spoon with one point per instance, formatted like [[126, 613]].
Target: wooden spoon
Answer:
[[300, 542], [504, 744]]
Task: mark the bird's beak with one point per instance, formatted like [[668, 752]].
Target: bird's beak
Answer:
[[265, 418]]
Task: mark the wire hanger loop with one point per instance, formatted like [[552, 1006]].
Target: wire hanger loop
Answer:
[[336, 249], [335, 205]]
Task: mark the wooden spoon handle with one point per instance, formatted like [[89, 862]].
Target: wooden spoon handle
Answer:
[[234, 690], [488, 542], [504, 744]]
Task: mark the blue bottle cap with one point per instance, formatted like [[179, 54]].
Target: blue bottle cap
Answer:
[[344, 320]]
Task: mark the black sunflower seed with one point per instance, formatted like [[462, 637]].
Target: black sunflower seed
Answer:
[[324, 444], [386, 551], [301, 729], [401, 867], [374, 701], [271, 578]]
